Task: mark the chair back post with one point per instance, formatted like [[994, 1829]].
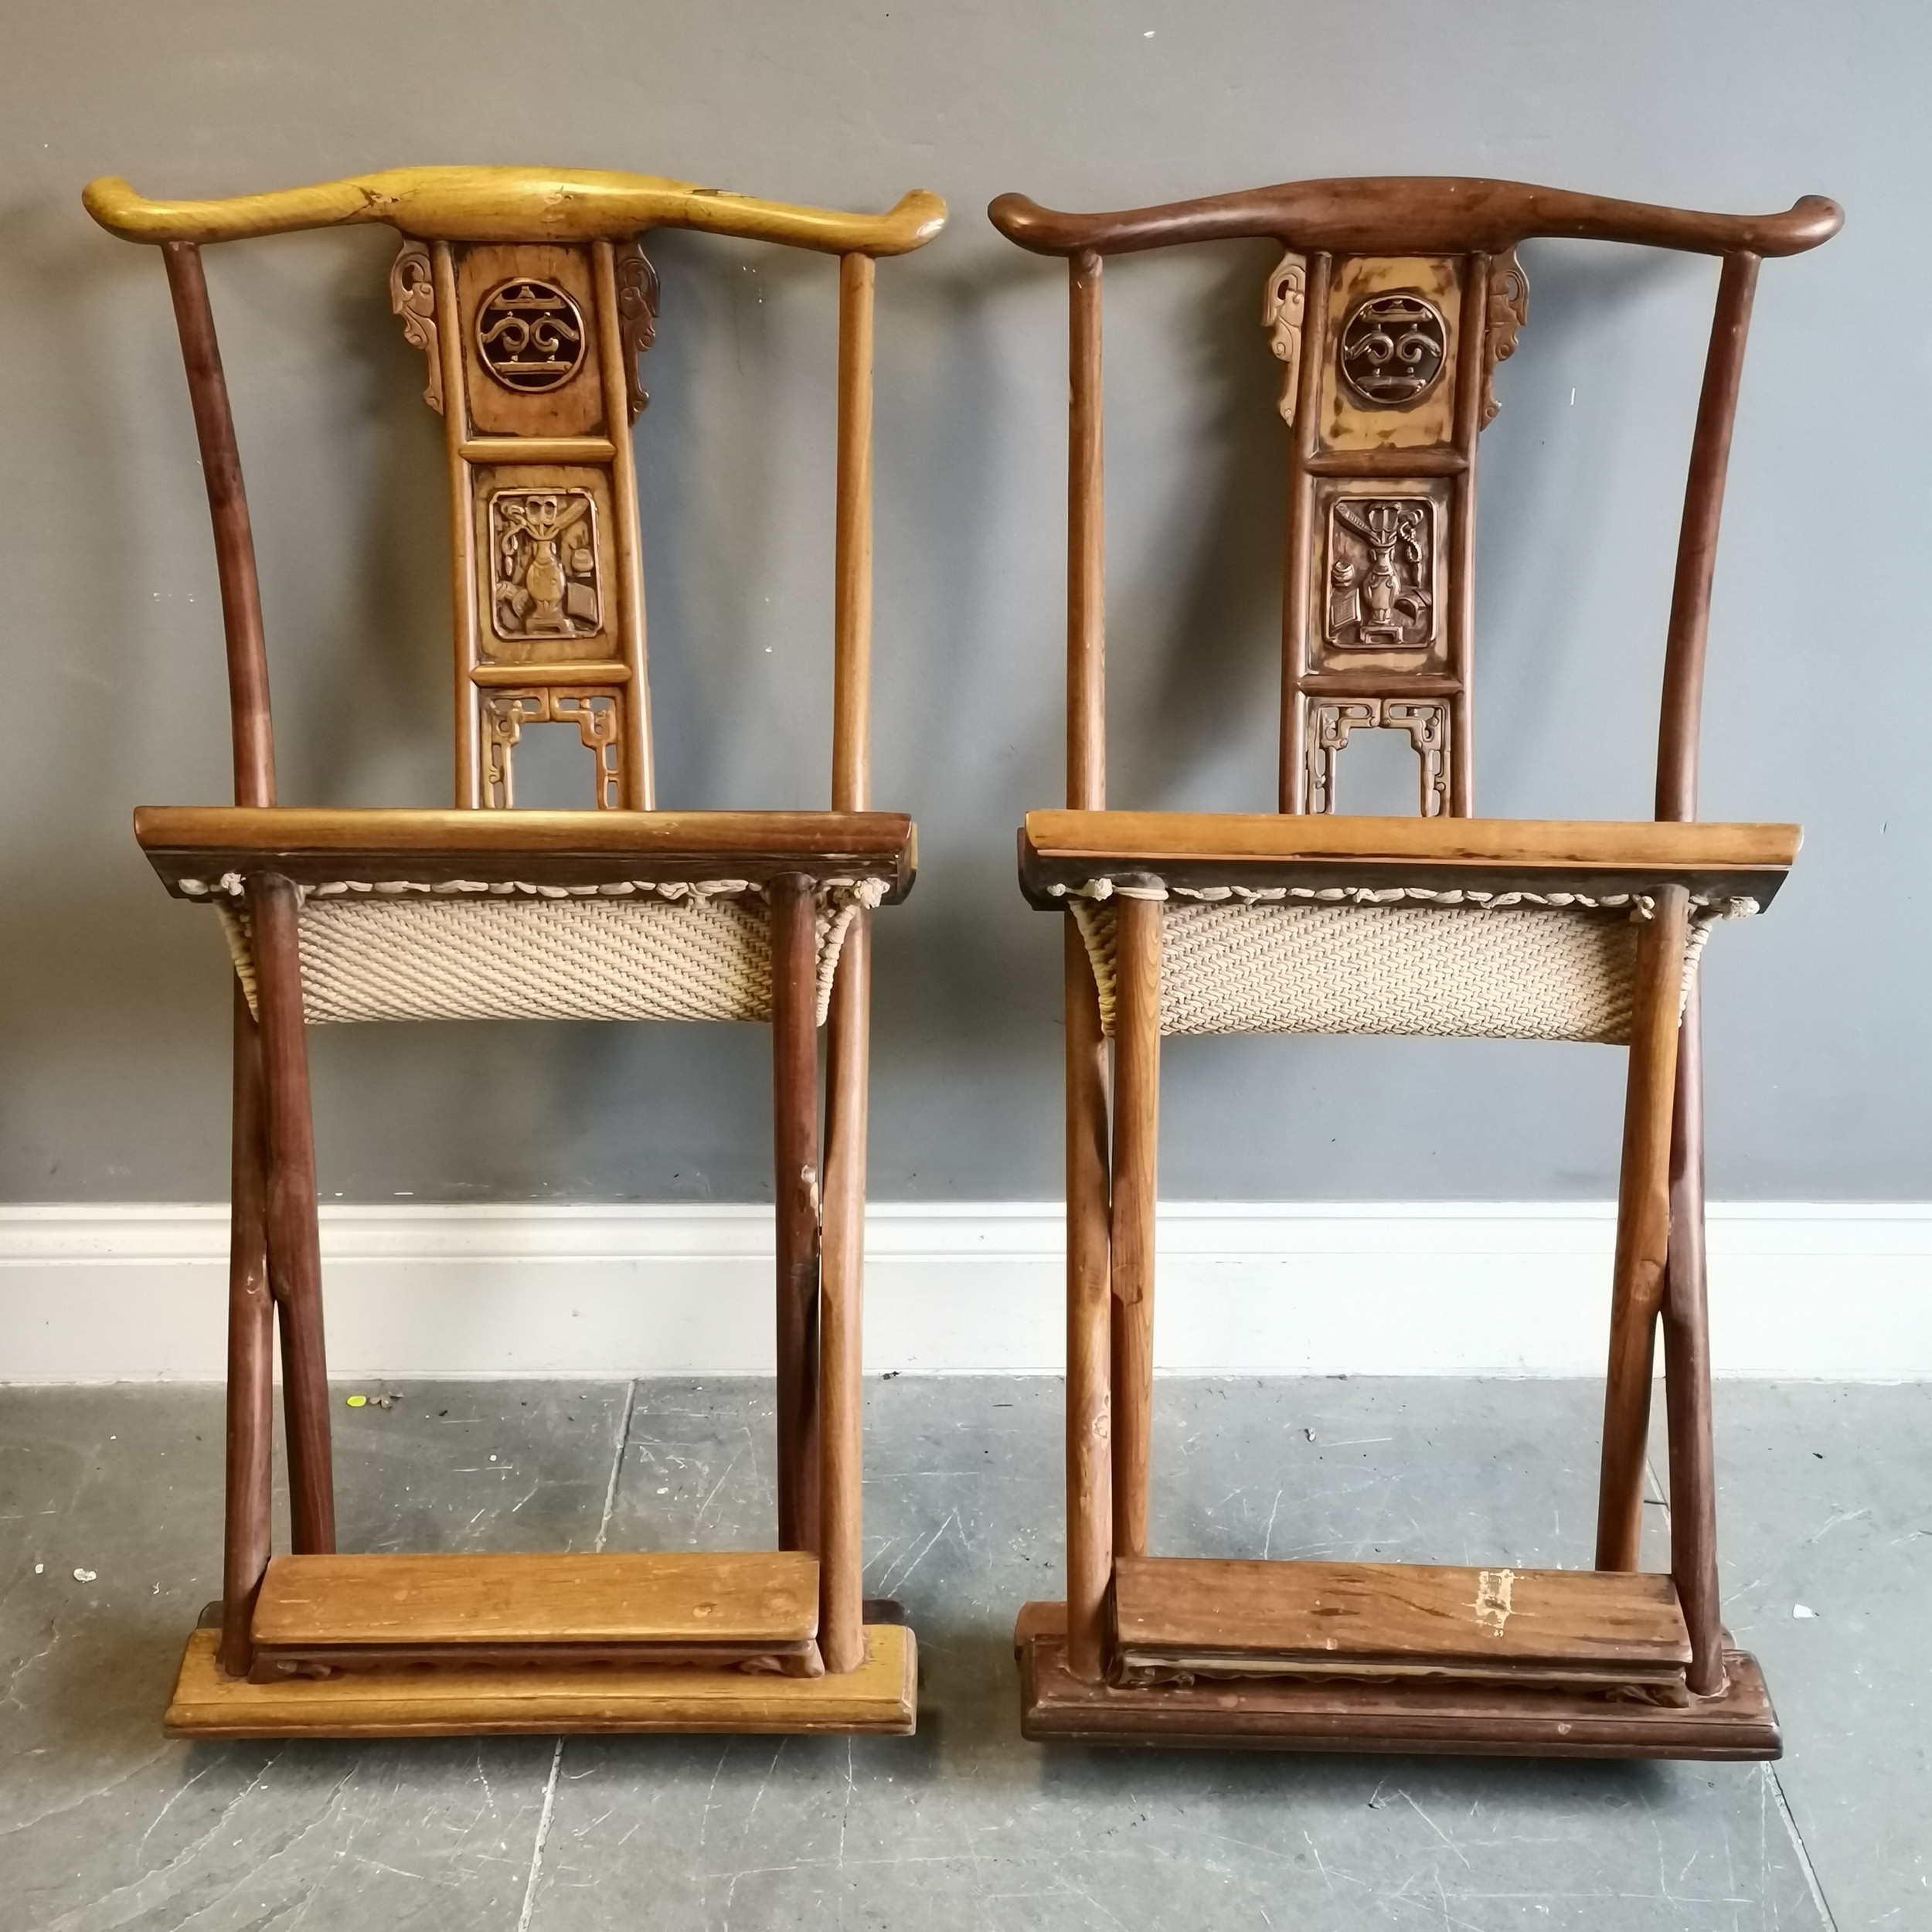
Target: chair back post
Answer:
[[1690, 603], [1085, 541], [852, 555], [241, 602]]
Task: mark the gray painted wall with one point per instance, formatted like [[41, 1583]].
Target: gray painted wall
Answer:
[[113, 1000]]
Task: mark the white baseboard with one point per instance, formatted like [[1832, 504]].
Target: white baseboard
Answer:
[[125, 1292]]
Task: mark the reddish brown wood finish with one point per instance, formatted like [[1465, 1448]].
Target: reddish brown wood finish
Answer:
[[794, 1092], [295, 1244], [251, 1356], [1137, 1105], [1416, 214], [241, 602]]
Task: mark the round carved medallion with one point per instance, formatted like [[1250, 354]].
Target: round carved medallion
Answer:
[[1393, 348], [530, 335]]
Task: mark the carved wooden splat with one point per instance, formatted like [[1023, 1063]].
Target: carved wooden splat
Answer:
[[546, 581], [530, 335], [597, 715], [1282, 315], [1332, 721], [1508, 310], [1394, 348], [1382, 564]]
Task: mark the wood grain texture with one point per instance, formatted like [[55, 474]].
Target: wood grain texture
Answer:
[[515, 204], [879, 1699], [1090, 1429], [203, 842], [841, 1303], [1420, 214], [1137, 1114], [1687, 1369], [1465, 1720], [795, 1098], [852, 543], [1086, 544], [1315, 849], [241, 605], [618, 1597], [248, 1460], [1682, 703], [289, 1211], [1322, 1618], [1643, 1231]]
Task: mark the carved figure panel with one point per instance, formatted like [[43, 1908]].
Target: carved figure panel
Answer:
[[544, 568], [637, 317], [412, 295], [1381, 586], [1282, 315], [1508, 311], [597, 715], [530, 335], [1393, 349], [1332, 721]]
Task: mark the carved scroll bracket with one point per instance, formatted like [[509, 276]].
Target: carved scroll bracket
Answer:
[[412, 295], [596, 714], [1508, 310], [1282, 315], [637, 316]]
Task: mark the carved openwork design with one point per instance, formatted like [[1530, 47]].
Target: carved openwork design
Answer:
[[597, 715], [1331, 720], [1282, 315], [543, 544], [530, 335], [637, 317], [1392, 349], [412, 295], [1508, 310], [1382, 555]]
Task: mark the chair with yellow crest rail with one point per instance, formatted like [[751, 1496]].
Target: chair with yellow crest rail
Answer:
[[1391, 301], [530, 297]]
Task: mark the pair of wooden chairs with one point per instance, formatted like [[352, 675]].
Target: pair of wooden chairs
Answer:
[[1390, 306]]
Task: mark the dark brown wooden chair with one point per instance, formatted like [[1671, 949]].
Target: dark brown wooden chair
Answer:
[[532, 299], [1391, 305]]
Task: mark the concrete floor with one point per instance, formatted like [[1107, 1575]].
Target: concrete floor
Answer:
[[1827, 1502]]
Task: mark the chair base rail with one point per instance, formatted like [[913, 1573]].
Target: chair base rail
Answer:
[[879, 1699], [1421, 1716]]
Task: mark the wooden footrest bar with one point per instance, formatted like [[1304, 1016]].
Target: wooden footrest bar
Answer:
[[318, 1614], [1176, 1618], [878, 1699], [1418, 1715]]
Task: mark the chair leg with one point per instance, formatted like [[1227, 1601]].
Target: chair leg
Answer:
[[1136, 1098], [794, 1093], [1089, 1471], [1687, 1374], [1643, 1230], [841, 1632], [251, 1349], [294, 1246]]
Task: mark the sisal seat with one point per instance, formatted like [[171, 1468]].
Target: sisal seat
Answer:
[[531, 298], [1390, 303]]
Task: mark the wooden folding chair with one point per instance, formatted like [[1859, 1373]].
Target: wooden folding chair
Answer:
[[1391, 306], [529, 294]]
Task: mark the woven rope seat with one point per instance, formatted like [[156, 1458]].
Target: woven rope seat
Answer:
[[634, 950], [1390, 960]]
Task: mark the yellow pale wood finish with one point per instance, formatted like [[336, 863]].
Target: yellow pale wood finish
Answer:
[[669, 1597], [878, 1698], [1605, 844], [516, 205], [1400, 1619], [1345, 423]]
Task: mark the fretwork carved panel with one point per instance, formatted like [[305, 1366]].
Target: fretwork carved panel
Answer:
[[1331, 720], [530, 335], [1390, 350], [529, 339], [598, 716]]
